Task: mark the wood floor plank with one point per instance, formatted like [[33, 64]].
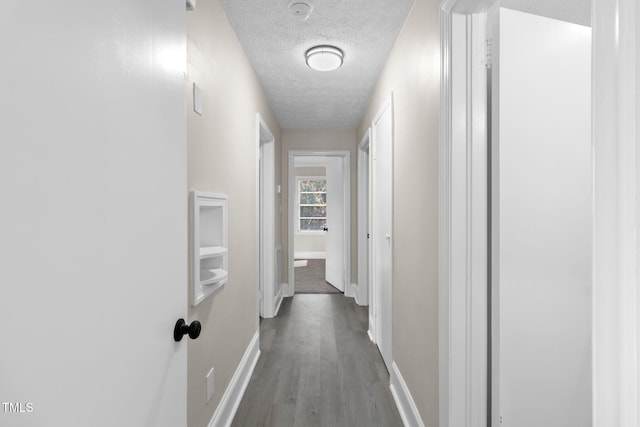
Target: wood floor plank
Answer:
[[318, 368], [282, 415], [383, 409], [288, 382], [307, 412]]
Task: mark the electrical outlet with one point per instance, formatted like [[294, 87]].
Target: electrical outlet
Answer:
[[210, 384]]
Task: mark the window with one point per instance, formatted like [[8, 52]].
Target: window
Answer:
[[312, 204]]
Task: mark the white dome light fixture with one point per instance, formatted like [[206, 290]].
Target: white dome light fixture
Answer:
[[324, 58]]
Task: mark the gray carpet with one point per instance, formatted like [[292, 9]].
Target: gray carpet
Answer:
[[310, 279]]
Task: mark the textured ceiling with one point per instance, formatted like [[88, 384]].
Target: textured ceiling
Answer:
[[275, 42]]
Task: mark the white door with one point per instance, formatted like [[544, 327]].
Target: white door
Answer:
[[268, 288], [334, 266], [541, 222], [94, 214], [382, 225]]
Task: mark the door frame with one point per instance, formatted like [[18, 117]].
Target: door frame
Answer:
[[362, 291], [616, 135], [345, 155], [464, 260], [616, 293], [268, 300]]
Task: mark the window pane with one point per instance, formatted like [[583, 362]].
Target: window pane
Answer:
[[313, 198], [313, 211], [312, 224], [313, 185]]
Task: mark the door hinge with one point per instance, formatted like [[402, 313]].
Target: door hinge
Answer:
[[489, 61]]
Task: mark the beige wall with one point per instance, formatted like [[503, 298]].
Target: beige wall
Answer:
[[319, 140], [412, 74], [310, 242], [222, 151]]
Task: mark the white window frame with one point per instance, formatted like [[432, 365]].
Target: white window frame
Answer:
[[298, 230]]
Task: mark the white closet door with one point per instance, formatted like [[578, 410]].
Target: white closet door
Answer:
[[541, 221], [382, 226]]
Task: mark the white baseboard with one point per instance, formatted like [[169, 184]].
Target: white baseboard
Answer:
[[404, 401], [360, 303], [357, 296], [228, 406], [280, 298], [310, 255], [286, 290], [371, 336], [351, 290]]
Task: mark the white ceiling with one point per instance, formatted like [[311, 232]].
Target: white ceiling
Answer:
[[275, 41]]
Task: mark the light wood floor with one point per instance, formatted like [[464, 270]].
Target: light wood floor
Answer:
[[318, 368]]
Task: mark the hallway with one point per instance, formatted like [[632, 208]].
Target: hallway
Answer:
[[318, 368]]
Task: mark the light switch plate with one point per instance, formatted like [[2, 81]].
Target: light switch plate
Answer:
[[197, 99]]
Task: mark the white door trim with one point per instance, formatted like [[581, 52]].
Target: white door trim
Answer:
[[616, 293], [616, 304], [268, 300], [346, 170], [362, 293], [463, 243]]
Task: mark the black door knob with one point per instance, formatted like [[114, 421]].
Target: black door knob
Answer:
[[325, 228], [182, 329]]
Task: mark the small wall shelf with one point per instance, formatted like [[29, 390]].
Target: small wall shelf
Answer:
[[209, 242], [212, 251]]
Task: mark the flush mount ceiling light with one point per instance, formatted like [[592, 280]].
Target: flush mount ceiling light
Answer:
[[324, 58]]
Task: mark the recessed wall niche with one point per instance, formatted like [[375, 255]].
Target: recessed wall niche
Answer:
[[209, 244]]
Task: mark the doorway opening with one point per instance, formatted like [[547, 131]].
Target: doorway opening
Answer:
[[310, 239], [320, 226]]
